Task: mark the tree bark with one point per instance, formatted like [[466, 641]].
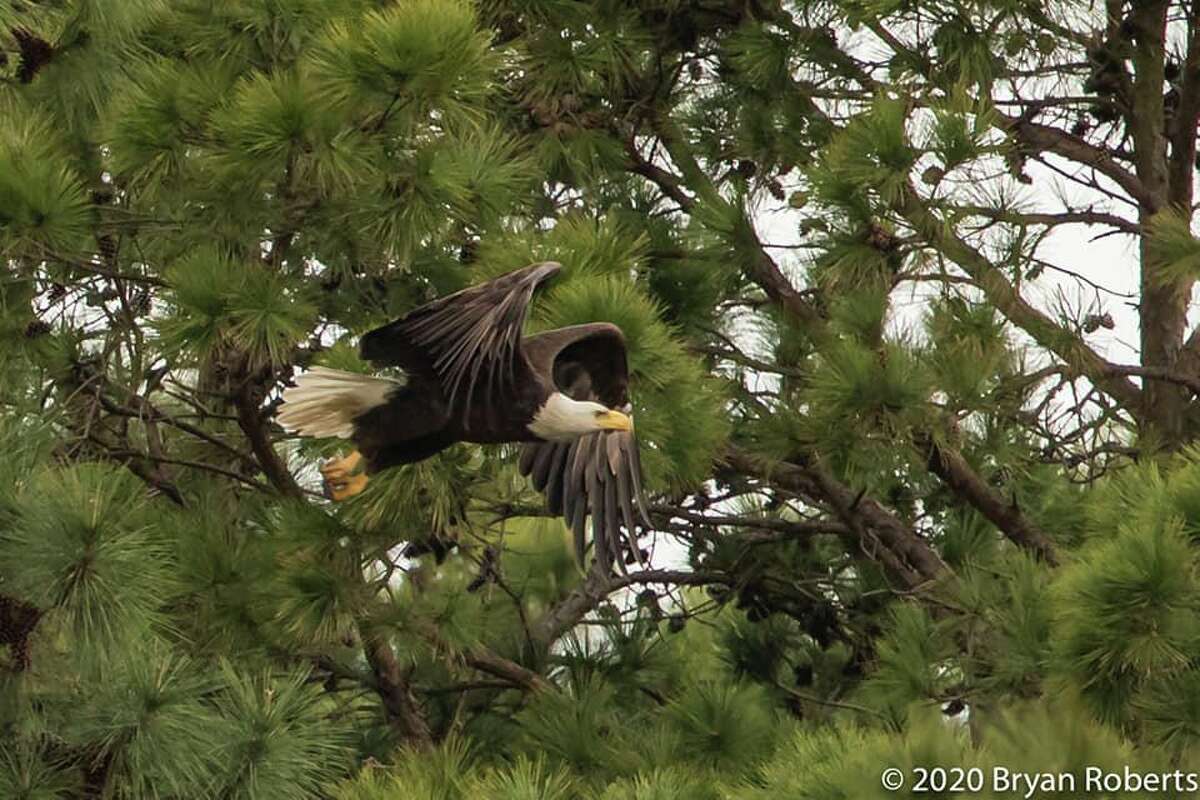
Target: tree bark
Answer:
[[399, 703]]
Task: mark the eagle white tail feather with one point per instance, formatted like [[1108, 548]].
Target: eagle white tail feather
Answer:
[[324, 402]]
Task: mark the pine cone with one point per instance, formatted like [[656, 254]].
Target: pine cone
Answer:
[[35, 54], [141, 302], [1092, 322], [36, 328], [881, 239], [108, 247], [17, 621], [20, 655], [803, 674]]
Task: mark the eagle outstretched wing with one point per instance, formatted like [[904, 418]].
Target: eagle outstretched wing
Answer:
[[598, 474], [463, 336]]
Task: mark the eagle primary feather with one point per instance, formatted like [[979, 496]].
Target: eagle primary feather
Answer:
[[473, 377]]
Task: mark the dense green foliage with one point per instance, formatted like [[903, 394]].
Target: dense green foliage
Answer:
[[910, 513]]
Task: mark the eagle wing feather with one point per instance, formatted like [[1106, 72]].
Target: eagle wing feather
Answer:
[[597, 474], [458, 338]]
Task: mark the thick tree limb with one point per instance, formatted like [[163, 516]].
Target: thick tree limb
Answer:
[[953, 469], [133, 458], [399, 703], [1051, 219], [1145, 117], [1182, 169], [17, 622], [597, 587], [486, 660], [670, 184], [251, 421], [492, 663], [1044, 138], [781, 526], [882, 535], [1179, 378], [1004, 296]]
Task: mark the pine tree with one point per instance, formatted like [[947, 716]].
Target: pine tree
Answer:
[[910, 511]]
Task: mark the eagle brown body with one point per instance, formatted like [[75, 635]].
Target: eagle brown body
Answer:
[[472, 377]]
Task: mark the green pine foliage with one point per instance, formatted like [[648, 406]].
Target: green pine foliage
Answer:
[[908, 510], [44, 203], [281, 742], [80, 541]]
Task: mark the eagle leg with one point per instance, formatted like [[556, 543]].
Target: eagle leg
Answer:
[[344, 477]]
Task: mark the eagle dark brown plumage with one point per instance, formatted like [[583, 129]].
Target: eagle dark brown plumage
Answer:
[[471, 376]]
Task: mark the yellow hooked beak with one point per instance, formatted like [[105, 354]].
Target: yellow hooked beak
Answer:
[[614, 421]]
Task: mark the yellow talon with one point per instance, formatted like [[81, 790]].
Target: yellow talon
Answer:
[[344, 477], [338, 491], [339, 468]]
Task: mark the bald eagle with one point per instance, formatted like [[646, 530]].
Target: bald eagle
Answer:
[[470, 376]]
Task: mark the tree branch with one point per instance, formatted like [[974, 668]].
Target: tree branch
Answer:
[[881, 535], [781, 526], [596, 587], [251, 422], [669, 183], [492, 663], [1038, 137], [1005, 297], [392, 685], [1051, 219], [953, 469], [1182, 170]]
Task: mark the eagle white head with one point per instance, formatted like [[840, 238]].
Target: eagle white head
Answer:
[[563, 419]]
